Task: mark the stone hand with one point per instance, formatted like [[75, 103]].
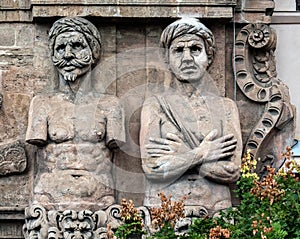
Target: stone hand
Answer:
[[213, 148], [169, 157], [215, 153], [221, 171], [171, 145]]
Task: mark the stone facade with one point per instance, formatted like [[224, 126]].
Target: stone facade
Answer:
[[130, 65]]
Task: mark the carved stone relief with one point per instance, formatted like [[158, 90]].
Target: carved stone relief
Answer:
[[72, 224], [12, 158], [75, 130], [190, 138], [13, 122], [257, 78]]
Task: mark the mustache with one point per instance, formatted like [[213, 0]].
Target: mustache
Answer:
[[73, 62]]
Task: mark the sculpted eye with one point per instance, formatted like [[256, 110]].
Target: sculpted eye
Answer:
[[196, 48], [60, 48], [77, 45], [178, 49]]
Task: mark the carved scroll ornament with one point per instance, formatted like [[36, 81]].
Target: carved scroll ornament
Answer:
[[257, 78], [72, 224]]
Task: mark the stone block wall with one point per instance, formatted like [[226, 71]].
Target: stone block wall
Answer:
[[130, 65]]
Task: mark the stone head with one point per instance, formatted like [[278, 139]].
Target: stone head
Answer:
[[75, 46], [188, 48]]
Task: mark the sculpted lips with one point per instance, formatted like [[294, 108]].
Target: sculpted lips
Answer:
[[69, 68], [189, 69]]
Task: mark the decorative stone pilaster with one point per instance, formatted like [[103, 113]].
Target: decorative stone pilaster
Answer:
[[256, 77]]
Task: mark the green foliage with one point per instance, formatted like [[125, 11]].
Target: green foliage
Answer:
[[269, 209], [129, 229], [165, 232], [200, 228]]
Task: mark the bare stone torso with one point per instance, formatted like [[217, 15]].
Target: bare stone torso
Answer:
[[74, 166]]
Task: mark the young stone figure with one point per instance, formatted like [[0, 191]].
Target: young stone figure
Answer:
[[75, 128], [190, 139]]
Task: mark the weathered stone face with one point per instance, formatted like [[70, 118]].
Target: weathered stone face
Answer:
[[188, 58], [72, 55]]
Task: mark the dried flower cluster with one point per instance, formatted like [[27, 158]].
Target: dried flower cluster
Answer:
[[248, 166], [169, 212], [219, 233], [129, 213], [291, 165], [268, 187], [259, 226]]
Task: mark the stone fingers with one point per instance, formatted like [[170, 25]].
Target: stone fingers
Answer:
[[227, 144], [159, 141], [225, 138], [158, 146], [173, 137], [159, 151], [226, 154], [228, 148]]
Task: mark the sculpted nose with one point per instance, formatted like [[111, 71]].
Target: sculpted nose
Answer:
[[68, 52], [187, 56]]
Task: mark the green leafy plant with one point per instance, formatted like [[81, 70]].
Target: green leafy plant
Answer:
[[207, 227], [268, 209]]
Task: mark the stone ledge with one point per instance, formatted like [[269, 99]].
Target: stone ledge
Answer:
[[12, 213], [136, 2], [15, 15], [42, 11], [10, 4], [286, 18]]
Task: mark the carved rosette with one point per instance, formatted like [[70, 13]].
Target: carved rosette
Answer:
[[257, 78], [12, 158]]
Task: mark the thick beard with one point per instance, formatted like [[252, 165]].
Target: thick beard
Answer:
[[71, 77]]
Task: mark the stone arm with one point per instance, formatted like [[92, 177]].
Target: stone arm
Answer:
[[37, 129], [170, 157], [115, 121], [227, 169], [158, 166]]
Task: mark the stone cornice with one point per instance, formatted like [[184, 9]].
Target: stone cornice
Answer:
[[241, 11]]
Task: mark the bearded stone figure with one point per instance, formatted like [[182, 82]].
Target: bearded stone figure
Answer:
[[190, 138], [75, 130]]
